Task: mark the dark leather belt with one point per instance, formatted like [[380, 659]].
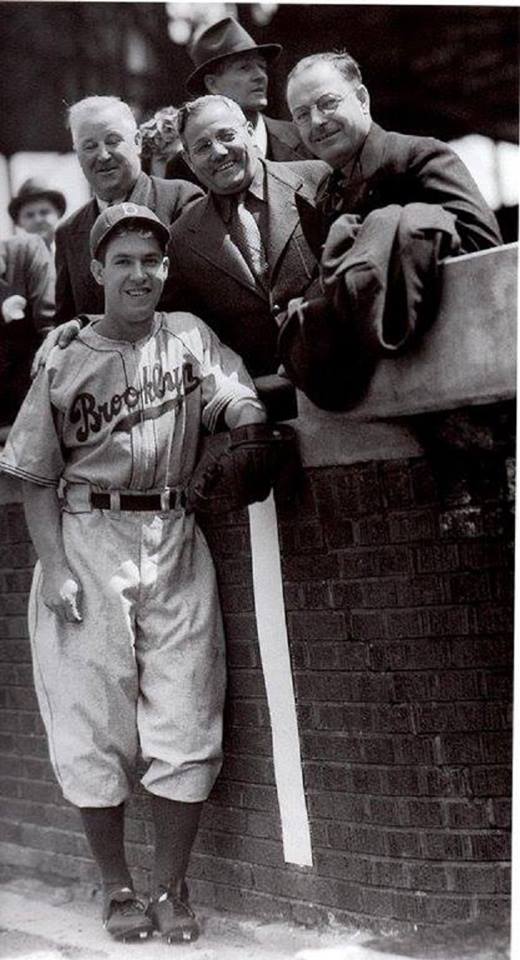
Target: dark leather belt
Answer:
[[167, 500]]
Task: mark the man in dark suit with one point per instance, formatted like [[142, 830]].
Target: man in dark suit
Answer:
[[108, 145], [394, 206], [374, 168], [238, 269], [228, 61]]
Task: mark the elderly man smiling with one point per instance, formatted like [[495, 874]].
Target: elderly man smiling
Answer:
[[108, 146], [393, 207], [239, 254]]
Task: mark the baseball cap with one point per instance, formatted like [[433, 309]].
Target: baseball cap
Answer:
[[111, 217]]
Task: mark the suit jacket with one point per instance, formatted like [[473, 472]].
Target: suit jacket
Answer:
[[398, 168], [283, 141], [208, 276], [76, 289]]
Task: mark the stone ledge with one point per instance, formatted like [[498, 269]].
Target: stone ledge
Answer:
[[467, 358]]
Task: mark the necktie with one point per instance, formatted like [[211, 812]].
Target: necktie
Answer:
[[249, 241]]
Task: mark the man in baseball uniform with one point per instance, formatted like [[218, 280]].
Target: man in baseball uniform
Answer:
[[125, 625]]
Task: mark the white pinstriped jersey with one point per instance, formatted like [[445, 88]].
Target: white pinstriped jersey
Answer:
[[121, 415]]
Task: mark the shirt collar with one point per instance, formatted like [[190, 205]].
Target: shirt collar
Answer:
[[259, 135], [226, 203]]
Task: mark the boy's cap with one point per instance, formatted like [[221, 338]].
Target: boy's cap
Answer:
[[111, 217]]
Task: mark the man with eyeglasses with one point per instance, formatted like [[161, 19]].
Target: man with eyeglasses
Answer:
[[393, 206], [372, 168], [241, 252]]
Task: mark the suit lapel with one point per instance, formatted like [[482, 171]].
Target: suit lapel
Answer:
[[210, 239], [283, 212]]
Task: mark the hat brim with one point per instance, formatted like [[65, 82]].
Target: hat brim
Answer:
[[195, 81], [54, 196]]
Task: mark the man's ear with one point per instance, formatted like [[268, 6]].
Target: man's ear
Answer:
[[165, 266], [98, 272], [138, 140], [364, 98], [210, 81]]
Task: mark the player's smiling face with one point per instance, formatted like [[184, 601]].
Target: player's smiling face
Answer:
[[220, 148], [133, 275], [108, 146]]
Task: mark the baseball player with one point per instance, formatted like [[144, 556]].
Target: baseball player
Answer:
[[124, 619]]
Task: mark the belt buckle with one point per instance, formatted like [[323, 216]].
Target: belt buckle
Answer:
[[165, 500], [115, 500]]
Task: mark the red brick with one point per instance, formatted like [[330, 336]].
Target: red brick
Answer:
[[315, 567], [479, 554], [331, 863], [447, 621], [313, 625], [502, 812], [405, 623], [468, 814], [449, 909], [491, 781], [412, 525], [357, 839], [240, 626], [373, 530], [368, 626], [460, 748], [445, 846], [494, 618], [18, 581], [402, 843], [380, 593], [419, 591], [396, 481], [436, 557], [411, 655], [494, 651], [497, 747], [347, 655], [490, 846], [339, 533], [428, 876]]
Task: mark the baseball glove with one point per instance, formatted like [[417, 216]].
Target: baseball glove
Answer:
[[240, 466]]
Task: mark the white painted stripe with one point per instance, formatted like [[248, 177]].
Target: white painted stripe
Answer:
[[274, 651]]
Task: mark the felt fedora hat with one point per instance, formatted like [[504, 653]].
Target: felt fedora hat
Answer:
[[32, 190], [227, 38]]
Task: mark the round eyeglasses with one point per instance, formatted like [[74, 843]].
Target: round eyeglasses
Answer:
[[327, 105]]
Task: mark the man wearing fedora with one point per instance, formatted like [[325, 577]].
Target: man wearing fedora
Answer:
[[36, 209], [227, 61]]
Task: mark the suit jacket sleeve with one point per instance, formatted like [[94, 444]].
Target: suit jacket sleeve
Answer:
[[65, 306], [40, 285], [187, 194], [444, 179]]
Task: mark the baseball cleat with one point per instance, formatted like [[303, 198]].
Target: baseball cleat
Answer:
[[173, 917], [125, 917]]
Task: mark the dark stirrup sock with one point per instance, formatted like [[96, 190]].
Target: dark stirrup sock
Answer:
[[104, 829], [176, 825]]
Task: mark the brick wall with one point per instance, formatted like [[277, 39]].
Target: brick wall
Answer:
[[399, 615]]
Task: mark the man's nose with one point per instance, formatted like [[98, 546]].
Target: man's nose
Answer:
[[219, 149], [316, 116], [138, 270], [260, 71], [102, 152]]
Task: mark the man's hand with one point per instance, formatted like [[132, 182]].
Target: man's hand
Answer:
[[61, 336], [62, 593]]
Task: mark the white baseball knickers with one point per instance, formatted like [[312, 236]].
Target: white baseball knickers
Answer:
[[146, 666]]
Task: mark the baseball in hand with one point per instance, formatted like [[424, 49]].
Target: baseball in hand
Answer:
[[13, 308]]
